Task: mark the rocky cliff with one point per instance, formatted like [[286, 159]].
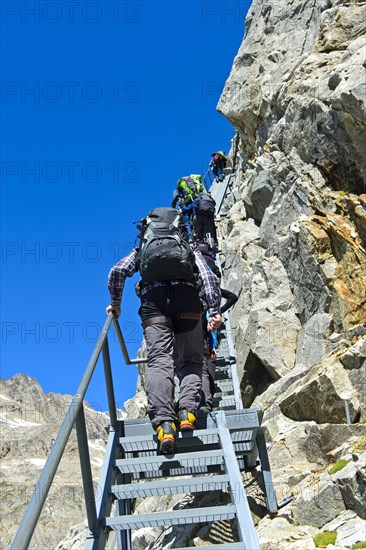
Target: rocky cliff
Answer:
[[29, 422], [293, 243]]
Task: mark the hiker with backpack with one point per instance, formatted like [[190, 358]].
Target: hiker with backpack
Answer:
[[172, 272], [185, 192], [197, 178], [183, 196], [217, 165], [202, 211], [212, 339]]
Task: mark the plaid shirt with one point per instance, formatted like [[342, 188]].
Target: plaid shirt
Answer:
[[127, 267]]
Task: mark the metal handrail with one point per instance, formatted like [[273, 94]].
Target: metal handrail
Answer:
[[74, 415], [123, 347], [208, 176]]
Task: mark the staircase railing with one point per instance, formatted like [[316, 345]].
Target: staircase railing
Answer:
[[75, 416], [208, 179]]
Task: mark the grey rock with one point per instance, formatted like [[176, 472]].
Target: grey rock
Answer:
[[312, 343], [259, 195], [301, 401], [335, 438], [352, 483], [282, 535], [350, 529], [355, 357], [319, 504]]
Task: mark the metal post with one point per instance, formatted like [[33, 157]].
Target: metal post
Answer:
[[236, 147], [232, 359], [86, 470], [266, 473], [122, 344], [348, 414], [104, 502], [109, 384]]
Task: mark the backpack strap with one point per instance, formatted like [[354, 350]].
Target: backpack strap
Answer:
[[187, 315], [158, 320]]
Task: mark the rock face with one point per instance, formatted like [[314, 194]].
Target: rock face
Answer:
[[294, 243], [30, 420]]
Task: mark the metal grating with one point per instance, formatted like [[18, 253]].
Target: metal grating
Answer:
[[225, 546], [180, 486], [172, 517], [169, 462]]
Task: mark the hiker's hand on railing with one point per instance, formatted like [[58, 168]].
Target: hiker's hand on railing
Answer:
[[115, 310], [214, 322]]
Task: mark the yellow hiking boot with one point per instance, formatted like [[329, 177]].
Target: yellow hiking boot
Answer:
[[166, 435], [187, 420]]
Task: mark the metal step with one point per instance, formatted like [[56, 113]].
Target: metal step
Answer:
[[223, 374], [166, 463], [224, 385], [198, 440], [137, 430], [222, 361], [249, 418], [184, 441], [171, 487], [224, 403], [220, 395], [172, 517], [224, 546]]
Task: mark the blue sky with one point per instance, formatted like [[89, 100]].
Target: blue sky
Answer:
[[104, 106]]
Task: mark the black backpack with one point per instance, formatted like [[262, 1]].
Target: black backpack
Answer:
[[206, 204], [164, 252]]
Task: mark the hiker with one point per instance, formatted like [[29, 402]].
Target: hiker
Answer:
[[197, 178], [185, 192], [170, 311], [184, 195], [202, 212], [212, 342], [229, 297], [217, 165]]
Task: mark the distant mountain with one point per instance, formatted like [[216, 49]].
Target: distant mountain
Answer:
[[29, 422]]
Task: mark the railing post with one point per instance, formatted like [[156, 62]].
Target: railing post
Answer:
[[123, 347], [346, 408], [86, 471], [109, 384]]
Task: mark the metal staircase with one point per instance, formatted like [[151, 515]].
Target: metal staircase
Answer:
[[209, 459], [228, 441]]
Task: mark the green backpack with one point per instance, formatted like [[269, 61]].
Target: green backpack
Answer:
[[197, 178], [188, 188]]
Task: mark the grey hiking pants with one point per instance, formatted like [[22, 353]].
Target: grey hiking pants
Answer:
[[208, 384], [174, 346]]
